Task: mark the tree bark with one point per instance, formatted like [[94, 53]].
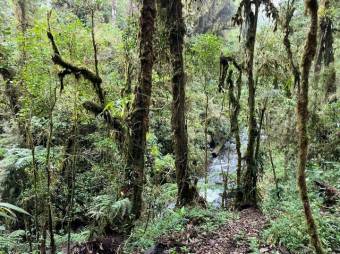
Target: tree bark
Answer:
[[273, 168], [235, 130], [286, 41], [234, 109], [206, 140], [113, 11], [297, 77], [326, 52], [48, 169], [35, 172], [302, 120], [22, 17], [139, 118], [249, 188], [176, 26], [12, 92], [258, 138]]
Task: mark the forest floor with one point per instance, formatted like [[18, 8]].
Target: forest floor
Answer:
[[236, 237]]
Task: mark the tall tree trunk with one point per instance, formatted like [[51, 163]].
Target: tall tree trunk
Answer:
[[302, 120], [206, 140], [269, 137], [42, 245], [274, 170], [139, 118], [326, 52], [326, 33], [176, 26], [286, 41], [235, 130], [12, 92], [290, 9], [72, 172], [249, 196], [113, 12], [48, 169], [258, 138], [21, 13], [35, 172]]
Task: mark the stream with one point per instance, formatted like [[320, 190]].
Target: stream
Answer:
[[225, 162]]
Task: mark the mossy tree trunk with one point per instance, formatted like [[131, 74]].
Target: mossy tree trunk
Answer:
[[249, 181], [302, 120], [139, 117], [234, 111], [176, 31], [234, 99], [325, 52], [113, 11]]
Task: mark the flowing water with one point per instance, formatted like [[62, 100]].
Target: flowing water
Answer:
[[224, 163]]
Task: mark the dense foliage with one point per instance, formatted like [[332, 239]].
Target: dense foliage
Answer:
[[64, 150]]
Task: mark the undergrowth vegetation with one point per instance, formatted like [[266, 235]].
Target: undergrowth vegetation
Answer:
[[287, 225], [93, 111], [170, 221]]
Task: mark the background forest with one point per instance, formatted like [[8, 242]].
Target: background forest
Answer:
[[169, 126]]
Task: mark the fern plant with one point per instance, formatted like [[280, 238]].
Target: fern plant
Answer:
[[12, 242], [106, 211]]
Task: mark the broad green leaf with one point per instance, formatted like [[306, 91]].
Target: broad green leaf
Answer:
[[13, 207]]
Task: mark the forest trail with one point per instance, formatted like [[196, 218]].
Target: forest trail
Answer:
[[235, 237]]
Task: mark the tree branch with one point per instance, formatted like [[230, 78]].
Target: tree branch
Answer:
[[94, 78], [113, 122], [69, 68]]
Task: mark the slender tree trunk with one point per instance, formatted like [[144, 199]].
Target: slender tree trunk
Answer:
[[28, 233], [325, 54], [302, 120], [12, 92], [288, 141], [48, 172], [21, 12], [317, 69], [273, 169], [258, 139], [286, 163], [35, 173], [43, 239], [139, 118], [225, 180], [206, 140], [326, 44], [72, 177], [113, 11], [176, 26], [249, 196], [286, 41]]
